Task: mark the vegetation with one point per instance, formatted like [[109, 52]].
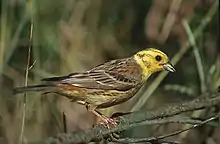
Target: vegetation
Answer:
[[56, 37]]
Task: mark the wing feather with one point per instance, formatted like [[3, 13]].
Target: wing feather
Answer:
[[94, 80], [106, 77]]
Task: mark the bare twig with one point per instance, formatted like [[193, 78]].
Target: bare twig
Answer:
[[145, 140], [175, 119], [134, 119], [26, 81], [64, 123], [192, 127], [151, 139], [32, 65]]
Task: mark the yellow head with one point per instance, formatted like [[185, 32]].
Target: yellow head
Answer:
[[153, 60]]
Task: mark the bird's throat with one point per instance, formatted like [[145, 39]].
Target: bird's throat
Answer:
[[145, 70]]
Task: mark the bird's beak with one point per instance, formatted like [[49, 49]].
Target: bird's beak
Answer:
[[169, 67]]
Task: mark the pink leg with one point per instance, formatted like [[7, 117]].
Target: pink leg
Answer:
[[106, 120]]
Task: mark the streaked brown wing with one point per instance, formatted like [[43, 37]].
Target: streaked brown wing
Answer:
[[116, 74], [95, 80]]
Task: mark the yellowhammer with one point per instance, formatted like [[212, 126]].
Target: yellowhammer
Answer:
[[107, 84]]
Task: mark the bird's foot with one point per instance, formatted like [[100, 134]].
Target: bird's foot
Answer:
[[109, 121]]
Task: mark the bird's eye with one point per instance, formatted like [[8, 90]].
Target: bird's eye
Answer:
[[158, 58]]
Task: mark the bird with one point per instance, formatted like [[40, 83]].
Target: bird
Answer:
[[107, 84]]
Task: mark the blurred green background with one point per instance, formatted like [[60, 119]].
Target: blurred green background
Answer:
[[75, 35]]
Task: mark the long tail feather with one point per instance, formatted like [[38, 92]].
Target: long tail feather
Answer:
[[33, 88]]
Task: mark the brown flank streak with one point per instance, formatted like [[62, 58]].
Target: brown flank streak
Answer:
[[70, 87]]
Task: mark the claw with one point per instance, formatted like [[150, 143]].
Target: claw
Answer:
[[106, 120], [109, 121]]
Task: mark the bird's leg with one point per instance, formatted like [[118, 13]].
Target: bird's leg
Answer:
[[106, 120]]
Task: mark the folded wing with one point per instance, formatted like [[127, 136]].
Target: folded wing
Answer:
[[98, 79]]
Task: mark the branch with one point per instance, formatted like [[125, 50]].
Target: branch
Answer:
[[24, 108], [134, 119], [157, 139]]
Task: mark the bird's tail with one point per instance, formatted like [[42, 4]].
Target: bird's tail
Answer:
[[33, 88]]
